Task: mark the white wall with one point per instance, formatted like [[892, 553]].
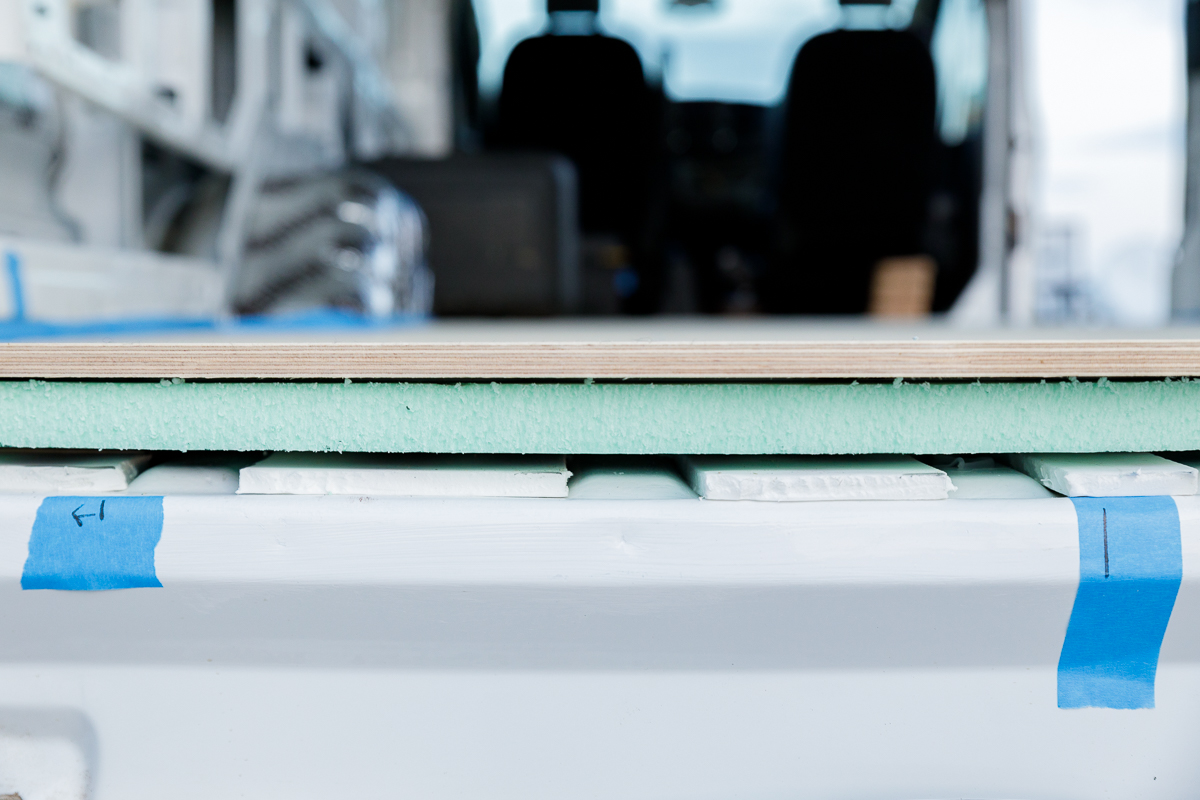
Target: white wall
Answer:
[[1107, 84]]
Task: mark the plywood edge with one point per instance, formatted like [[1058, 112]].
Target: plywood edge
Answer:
[[696, 361]]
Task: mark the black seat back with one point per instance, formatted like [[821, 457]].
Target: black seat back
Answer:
[[855, 171], [584, 97]]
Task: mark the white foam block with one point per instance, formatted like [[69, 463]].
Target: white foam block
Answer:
[[800, 478], [1108, 474], [412, 476], [67, 472]]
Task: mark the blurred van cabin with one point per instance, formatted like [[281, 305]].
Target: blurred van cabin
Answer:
[[218, 158]]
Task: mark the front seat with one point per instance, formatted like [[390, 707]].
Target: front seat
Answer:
[[584, 95], [855, 173]]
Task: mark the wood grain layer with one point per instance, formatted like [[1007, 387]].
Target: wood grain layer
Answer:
[[697, 361]]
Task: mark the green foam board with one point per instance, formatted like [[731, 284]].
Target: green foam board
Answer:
[[632, 418]]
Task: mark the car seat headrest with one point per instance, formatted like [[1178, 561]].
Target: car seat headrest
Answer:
[[573, 5]]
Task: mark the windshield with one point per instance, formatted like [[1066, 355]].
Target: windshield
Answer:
[[728, 50], [741, 51]]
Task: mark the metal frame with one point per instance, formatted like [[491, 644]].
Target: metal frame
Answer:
[[1002, 290]]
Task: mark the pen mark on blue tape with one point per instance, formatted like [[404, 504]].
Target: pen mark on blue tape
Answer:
[[1130, 568], [91, 543]]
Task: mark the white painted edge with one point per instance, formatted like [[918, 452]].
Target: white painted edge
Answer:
[[185, 479], [807, 479], [1108, 474], [996, 483], [630, 483]]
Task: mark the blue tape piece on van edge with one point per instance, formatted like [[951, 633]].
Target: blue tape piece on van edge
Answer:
[[93, 543], [13, 262], [21, 329], [1130, 568]]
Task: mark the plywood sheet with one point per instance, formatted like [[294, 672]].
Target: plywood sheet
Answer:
[[697, 360]]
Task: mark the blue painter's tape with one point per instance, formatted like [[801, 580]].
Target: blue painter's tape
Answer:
[[13, 263], [19, 328], [90, 543], [1130, 568]]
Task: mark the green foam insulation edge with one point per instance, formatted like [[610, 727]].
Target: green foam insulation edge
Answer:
[[629, 418]]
